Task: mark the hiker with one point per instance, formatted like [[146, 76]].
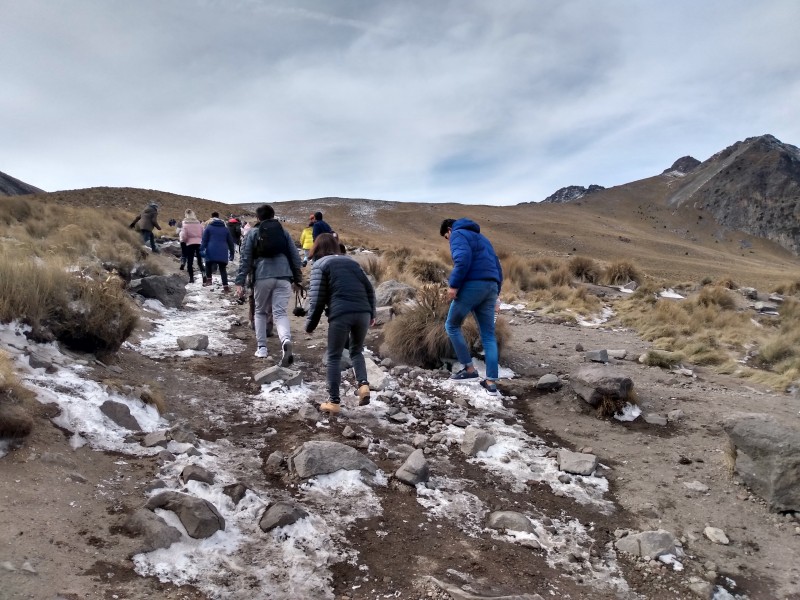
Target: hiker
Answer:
[[147, 221], [307, 239], [178, 228], [269, 252], [319, 226], [340, 287], [235, 227], [217, 246], [474, 288], [191, 236], [245, 228]]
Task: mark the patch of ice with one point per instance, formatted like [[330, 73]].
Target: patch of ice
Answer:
[[605, 314], [445, 498], [671, 559], [630, 412], [670, 293]]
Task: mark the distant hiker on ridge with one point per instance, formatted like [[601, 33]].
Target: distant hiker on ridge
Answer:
[[319, 226], [218, 247], [474, 287], [268, 250], [340, 288], [147, 221]]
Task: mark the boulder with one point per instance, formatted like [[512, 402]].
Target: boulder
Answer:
[[200, 518], [548, 383], [509, 519], [154, 531], [377, 377], [383, 314], [170, 290], [156, 438], [594, 382], [392, 292], [235, 491], [414, 470], [281, 514], [318, 457], [648, 543], [193, 342], [600, 356], [476, 440], [767, 457], [120, 414], [276, 373], [577, 463], [197, 473]]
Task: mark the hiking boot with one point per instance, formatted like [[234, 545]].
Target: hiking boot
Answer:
[[363, 393], [183, 266], [226, 289], [464, 374], [206, 281], [261, 352], [331, 406], [287, 357], [191, 279], [489, 387]]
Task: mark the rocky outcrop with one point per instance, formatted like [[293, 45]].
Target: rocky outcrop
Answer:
[[10, 186], [682, 166], [571, 193]]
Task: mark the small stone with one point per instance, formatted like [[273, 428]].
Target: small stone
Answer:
[[462, 423], [655, 419], [675, 415], [716, 535], [695, 486], [348, 432]]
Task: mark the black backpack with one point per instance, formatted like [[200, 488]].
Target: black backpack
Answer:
[[270, 240]]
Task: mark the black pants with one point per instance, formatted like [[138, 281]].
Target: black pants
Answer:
[[349, 329], [191, 251], [223, 270]]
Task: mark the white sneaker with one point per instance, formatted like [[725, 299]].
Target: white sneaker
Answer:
[[261, 352], [287, 357]]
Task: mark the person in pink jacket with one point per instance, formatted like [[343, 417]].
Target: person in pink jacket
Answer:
[[191, 235]]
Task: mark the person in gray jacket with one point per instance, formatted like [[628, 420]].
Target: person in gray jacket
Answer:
[[268, 250], [340, 288]]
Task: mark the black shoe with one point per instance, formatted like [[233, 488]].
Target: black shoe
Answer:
[[489, 387], [182, 267], [464, 374]]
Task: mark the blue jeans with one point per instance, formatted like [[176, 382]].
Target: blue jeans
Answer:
[[478, 298]]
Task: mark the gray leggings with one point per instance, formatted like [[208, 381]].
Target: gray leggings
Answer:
[[352, 326]]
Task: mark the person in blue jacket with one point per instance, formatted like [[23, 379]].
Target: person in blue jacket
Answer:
[[475, 284], [217, 247]]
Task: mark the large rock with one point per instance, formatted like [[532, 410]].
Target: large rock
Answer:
[[767, 458], [414, 470], [120, 414], [383, 314], [509, 519], [577, 463], [392, 292], [594, 382], [319, 457], [281, 514], [275, 373], [170, 290], [154, 531], [197, 473], [193, 342], [648, 543], [476, 440], [377, 377], [200, 518]]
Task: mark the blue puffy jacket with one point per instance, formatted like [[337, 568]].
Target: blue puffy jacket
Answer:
[[217, 242], [473, 255]]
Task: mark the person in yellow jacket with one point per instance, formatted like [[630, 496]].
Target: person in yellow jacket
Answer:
[[307, 239]]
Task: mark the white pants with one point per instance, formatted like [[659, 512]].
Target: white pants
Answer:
[[274, 293]]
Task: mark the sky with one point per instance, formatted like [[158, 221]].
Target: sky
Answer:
[[470, 101]]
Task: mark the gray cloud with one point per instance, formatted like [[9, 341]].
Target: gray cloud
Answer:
[[470, 101]]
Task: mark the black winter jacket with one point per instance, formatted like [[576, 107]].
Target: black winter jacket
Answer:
[[338, 286]]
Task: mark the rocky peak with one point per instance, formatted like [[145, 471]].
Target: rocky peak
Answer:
[[572, 193], [682, 166], [9, 186]]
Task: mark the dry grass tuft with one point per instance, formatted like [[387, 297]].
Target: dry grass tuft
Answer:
[[727, 283], [585, 269], [15, 421], [621, 272], [560, 277], [716, 297], [662, 359], [428, 270], [373, 266], [154, 397]]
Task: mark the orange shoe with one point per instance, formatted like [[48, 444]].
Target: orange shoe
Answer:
[[330, 407], [363, 393]]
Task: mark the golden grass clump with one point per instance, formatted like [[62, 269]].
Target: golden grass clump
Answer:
[[15, 421], [716, 297], [517, 272], [727, 283], [560, 277], [154, 397], [417, 334], [428, 270], [789, 288], [621, 272], [373, 266], [584, 269]]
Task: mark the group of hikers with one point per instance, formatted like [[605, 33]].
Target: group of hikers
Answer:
[[270, 265]]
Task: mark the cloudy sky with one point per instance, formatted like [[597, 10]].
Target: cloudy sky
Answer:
[[472, 101]]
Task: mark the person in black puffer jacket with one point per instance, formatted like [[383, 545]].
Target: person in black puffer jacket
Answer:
[[340, 288]]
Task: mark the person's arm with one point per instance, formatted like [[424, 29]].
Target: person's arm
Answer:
[[294, 259], [317, 293], [462, 259], [245, 261], [135, 221]]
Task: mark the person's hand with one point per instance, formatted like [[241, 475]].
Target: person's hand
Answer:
[[451, 293], [296, 288], [239, 291], [497, 306], [309, 331]]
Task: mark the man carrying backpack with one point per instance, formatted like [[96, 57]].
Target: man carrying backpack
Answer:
[[270, 252]]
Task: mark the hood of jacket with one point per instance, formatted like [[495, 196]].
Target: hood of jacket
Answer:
[[216, 223], [467, 224]]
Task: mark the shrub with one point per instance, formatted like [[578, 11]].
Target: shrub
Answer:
[[662, 358], [621, 272], [585, 269], [373, 266], [560, 276], [15, 209], [428, 270], [727, 283], [517, 271], [715, 296], [15, 421], [539, 282], [417, 335]]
